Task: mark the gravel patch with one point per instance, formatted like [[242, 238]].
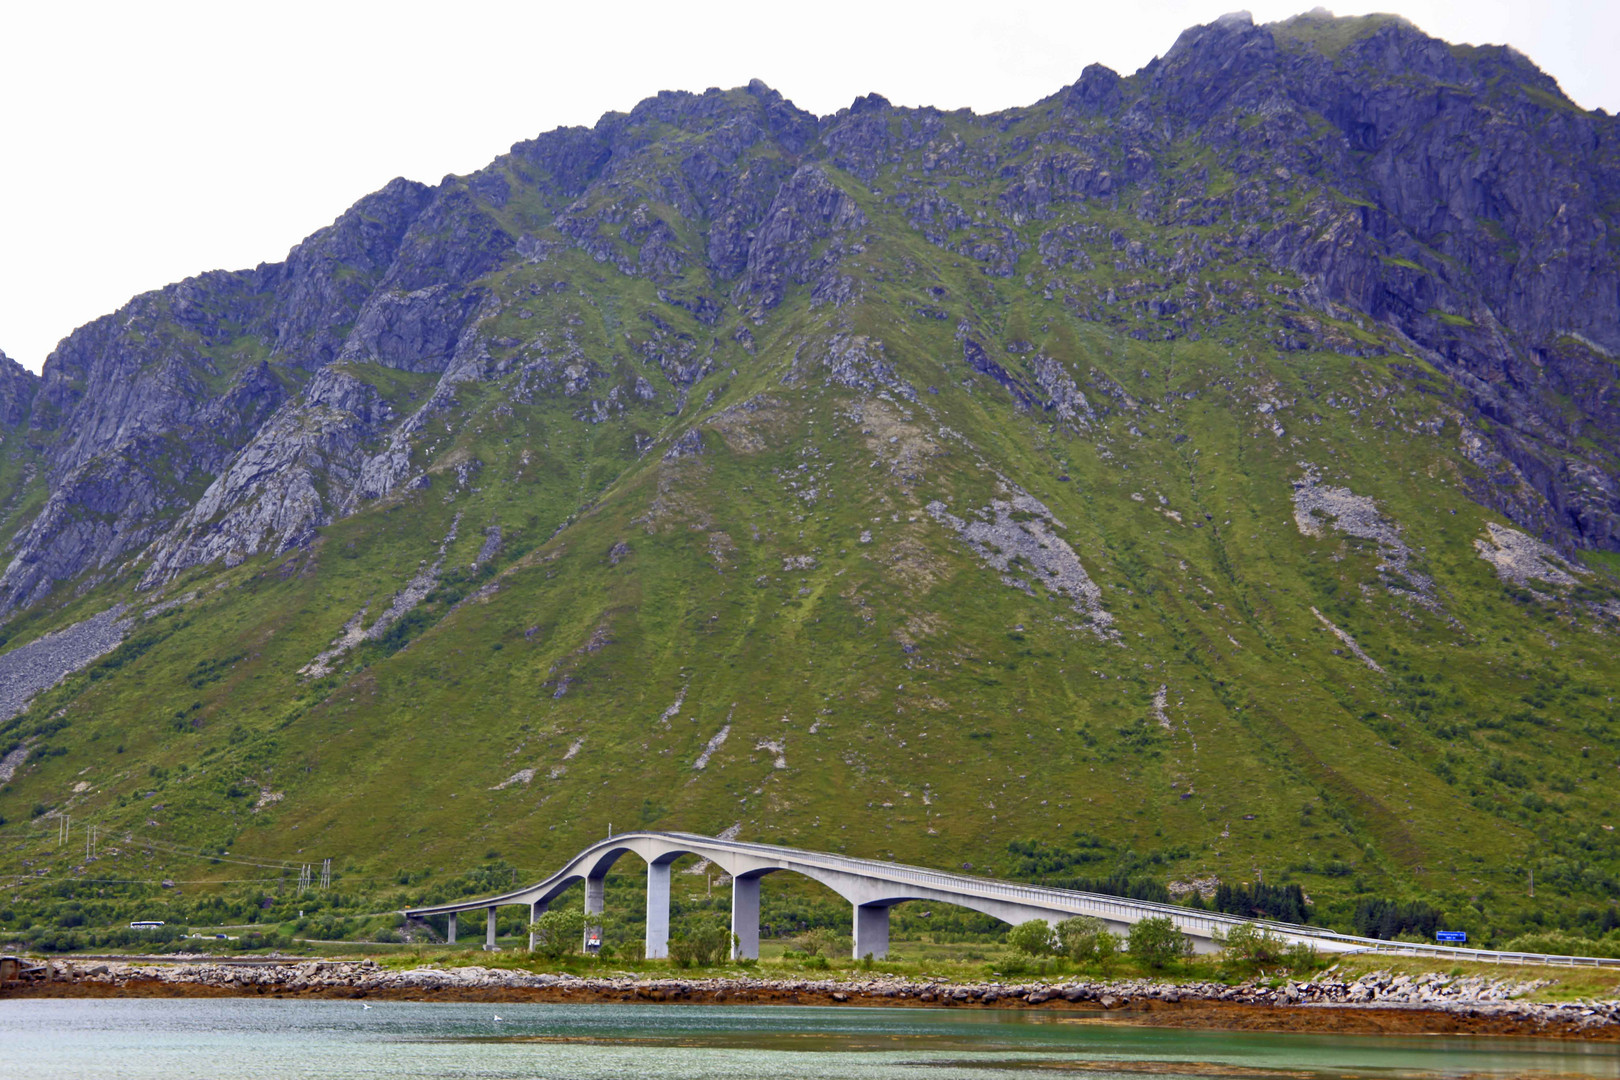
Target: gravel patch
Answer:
[[1017, 537], [1519, 559], [42, 663], [1320, 507]]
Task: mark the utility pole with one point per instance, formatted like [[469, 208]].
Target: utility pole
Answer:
[[326, 874], [1532, 884]]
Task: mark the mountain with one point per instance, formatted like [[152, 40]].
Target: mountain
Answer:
[[1209, 472]]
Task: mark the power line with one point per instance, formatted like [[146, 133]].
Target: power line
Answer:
[[64, 830]]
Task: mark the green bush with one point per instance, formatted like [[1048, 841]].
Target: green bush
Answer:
[[703, 942], [823, 941], [1020, 964], [1155, 942], [1302, 958], [1251, 945], [1033, 938], [557, 933], [1560, 944], [1087, 941]]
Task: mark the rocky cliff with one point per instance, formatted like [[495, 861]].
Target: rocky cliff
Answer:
[[1451, 194]]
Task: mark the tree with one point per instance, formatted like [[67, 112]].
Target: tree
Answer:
[[1087, 941], [1156, 942], [1252, 944], [1033, 938], [557, 933], [823, 941], [1285, 903], [702, 942]]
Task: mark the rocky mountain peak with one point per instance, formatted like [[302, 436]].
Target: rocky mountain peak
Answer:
[[1097, 91], [17, 387], [1208, 64], [1449, 193], [869, 103]]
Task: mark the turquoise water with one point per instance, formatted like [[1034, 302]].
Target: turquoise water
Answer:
[[177, 1039]]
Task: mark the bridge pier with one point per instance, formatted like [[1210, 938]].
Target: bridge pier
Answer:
[[745, 918], [657, 910], [536, 909], [871, 931], [489, 932], [452, 928], [595, 893]]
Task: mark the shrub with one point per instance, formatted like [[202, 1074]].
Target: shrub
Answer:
[[557, 933], [1559, 943], [1010, 965], [1252, 945], [1156, 942], [1301, 958], [822, 942], [1087, 941], [702, 943], [1033, 938]]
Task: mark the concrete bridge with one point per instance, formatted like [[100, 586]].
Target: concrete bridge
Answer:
[[871, 888]]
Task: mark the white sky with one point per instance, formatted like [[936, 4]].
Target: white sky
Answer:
[[147, 141]]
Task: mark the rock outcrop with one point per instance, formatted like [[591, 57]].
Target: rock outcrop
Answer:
[[17, 387]]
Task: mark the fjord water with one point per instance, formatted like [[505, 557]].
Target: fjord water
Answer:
[[291, 1040]]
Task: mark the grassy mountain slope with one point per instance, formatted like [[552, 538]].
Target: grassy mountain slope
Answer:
[[902, 552]]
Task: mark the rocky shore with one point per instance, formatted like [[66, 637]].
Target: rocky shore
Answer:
[[1379, 1001]]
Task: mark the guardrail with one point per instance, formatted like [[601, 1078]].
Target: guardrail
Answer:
[[1128, 910]]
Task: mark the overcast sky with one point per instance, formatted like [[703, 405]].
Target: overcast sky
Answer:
[[145, 142]]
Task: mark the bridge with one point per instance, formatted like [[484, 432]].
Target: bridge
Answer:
[[870, 887]]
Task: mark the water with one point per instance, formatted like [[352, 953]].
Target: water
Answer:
[[178, 1039]]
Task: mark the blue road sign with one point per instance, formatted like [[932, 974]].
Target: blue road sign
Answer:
[[1450, 935]]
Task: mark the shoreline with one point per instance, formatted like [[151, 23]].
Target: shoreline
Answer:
[[1321, 1004]]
